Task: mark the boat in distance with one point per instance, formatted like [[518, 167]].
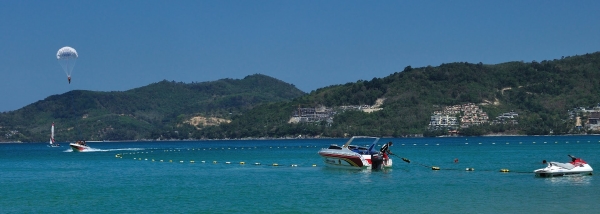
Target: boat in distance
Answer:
[[79, 146], [52, 143], [350, 156], [577, 166]]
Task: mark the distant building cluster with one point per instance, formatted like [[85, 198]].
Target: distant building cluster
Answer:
[[322, 113], [508, 117], [311, 115], [11, 133], [469, 115], [365, 108], [588, 118]]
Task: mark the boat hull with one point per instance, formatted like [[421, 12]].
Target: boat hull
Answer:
[[350, 160], [556, 171], [354, 157], [78, 148]]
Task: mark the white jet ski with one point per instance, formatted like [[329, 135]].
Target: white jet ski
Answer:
[[577, 166]]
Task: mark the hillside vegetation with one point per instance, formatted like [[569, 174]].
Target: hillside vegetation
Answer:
[[541, 92], [154, 111], [260, 106]]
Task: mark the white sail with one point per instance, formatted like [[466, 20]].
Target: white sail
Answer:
[[52, 135]]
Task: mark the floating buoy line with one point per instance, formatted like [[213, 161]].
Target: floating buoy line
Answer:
[[166, 155], [143, 155]]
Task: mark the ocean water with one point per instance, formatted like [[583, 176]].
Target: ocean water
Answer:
[[160, 177]]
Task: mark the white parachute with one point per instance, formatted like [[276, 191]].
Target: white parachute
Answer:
[[67, 56]]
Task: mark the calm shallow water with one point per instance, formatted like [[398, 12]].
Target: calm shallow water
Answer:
[[39, 179]]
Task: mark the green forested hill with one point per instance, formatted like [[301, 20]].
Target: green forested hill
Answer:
[[145, 112], [541, 92], [259, 106]]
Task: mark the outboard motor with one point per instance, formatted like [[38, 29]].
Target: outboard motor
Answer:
[[376, 161]]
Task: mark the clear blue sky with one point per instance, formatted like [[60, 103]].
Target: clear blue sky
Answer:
[[312, 44]]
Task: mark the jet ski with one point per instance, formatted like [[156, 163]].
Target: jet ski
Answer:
[[577, 166]]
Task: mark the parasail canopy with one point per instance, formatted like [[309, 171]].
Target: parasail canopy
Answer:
[[67, 56], [66, 53]]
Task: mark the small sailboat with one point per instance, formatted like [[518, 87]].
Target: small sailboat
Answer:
[[52, 142]]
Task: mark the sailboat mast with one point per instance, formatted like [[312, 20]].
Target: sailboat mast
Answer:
[[52, 135]]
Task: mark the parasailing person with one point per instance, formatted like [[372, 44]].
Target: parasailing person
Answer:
[[67, 56]]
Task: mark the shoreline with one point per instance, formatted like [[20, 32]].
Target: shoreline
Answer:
[[304, 138]]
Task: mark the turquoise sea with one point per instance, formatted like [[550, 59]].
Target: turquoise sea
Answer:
[[129, 177]]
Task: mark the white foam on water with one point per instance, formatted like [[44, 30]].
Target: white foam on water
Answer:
[[106, 150]]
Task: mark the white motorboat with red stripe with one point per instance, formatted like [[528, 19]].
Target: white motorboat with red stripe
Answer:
[[355, 157], [577, 166], [79, 146]]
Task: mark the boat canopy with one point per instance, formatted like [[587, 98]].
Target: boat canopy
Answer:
[[362, 150]]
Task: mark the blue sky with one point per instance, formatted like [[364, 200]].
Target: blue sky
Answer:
[[312, 44]]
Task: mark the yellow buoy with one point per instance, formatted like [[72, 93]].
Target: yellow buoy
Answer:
[[435, 168], [504, 170], [314, 164], [275, 164], [242, 163], [192, 161], [214, 161]]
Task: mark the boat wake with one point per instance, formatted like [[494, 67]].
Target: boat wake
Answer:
[[107, 150]]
